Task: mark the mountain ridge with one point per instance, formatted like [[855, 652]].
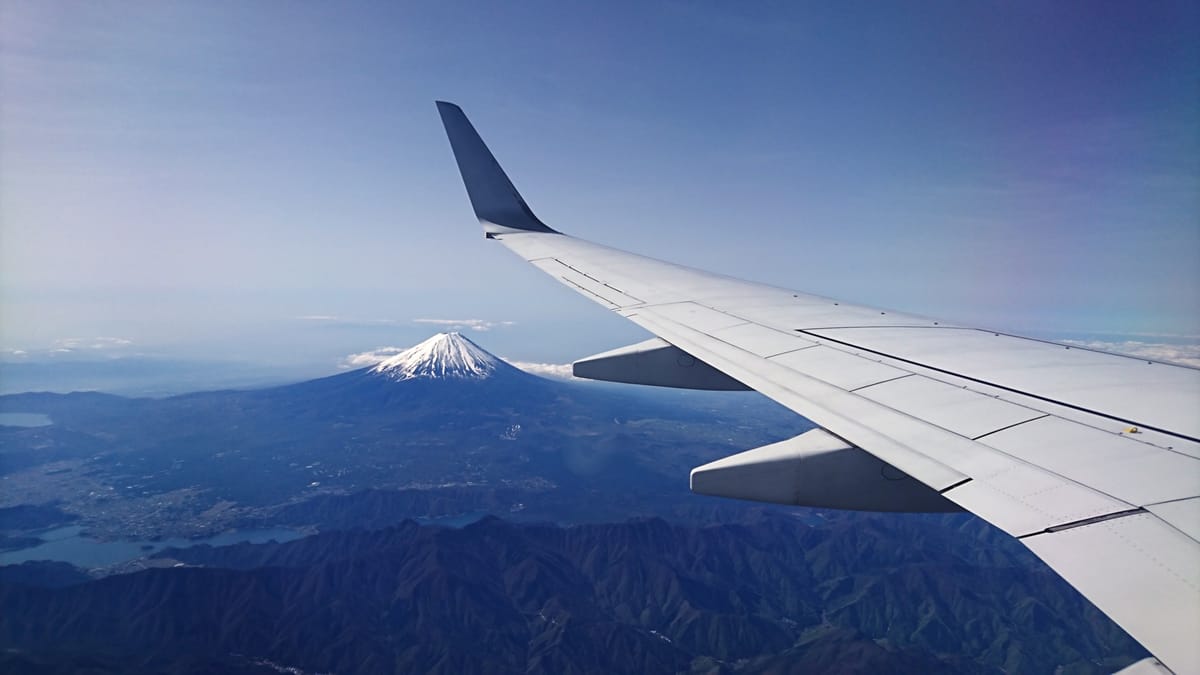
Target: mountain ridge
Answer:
[[636, 597]]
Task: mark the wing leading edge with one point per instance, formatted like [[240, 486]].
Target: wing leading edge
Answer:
[[1091, 459]]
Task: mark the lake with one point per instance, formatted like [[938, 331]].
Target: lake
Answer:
[[65, 544], [20, 419], [455, 521]]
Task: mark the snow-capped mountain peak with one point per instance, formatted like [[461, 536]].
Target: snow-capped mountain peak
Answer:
[[443, 356]]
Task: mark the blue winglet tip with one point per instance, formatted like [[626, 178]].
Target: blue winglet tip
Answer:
[[496, 201]]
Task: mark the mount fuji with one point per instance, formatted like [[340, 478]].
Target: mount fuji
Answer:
[[443, 356], [446, 374]]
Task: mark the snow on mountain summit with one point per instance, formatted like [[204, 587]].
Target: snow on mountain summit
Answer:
[[443, 356]]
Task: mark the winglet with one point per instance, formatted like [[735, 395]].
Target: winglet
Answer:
[[497, 203]]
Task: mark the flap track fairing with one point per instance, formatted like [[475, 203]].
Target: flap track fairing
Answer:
[[658, 363]]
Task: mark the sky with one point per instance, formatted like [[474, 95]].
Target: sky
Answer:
[[269, 181]]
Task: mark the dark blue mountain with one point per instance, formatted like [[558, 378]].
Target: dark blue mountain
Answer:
[[768, 595]]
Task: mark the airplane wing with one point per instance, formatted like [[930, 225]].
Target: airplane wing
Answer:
[[1090, 459]]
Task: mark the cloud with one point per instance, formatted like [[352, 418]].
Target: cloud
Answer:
[[74, 349], [71, 344], [460, 324], [559, 370], [370, 358], [1185, 354], [479, 325], [1126, 335], [330, 320]]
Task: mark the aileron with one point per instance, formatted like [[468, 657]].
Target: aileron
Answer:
[[1142, 572]]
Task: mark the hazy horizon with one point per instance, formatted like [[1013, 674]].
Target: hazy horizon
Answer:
[[112, 367], [270, 183]]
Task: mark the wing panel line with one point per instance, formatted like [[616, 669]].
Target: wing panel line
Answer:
[[874, 384], [1015, 424], [791, 351], [958, 484], [1085, 521], [581, 289], [1013, 390]]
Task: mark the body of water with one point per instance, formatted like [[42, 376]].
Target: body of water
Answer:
[[66, 544], [457, 520], [19, 419]]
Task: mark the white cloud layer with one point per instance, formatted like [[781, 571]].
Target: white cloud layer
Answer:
[[1185, 354], [480, 325], [73, 348], [344, 321], [370, 358], [70, 344], [469, 324], [559, 370]]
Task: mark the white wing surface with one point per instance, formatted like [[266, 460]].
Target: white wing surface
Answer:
[[1091, 459]]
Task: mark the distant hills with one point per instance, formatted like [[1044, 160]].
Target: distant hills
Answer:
[[135, 375], [446, 430]]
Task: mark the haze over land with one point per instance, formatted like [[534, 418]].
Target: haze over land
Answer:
[[445, 433]]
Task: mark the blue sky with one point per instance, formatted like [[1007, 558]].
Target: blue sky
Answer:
[[269, 180]]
